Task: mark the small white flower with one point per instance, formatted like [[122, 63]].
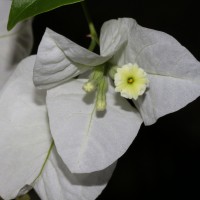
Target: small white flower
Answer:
[[131, 81]]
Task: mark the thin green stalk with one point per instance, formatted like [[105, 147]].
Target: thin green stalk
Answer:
[[47, 157], [93, 33], [24, 197]]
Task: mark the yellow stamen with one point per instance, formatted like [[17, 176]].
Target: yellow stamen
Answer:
[[130, 80]]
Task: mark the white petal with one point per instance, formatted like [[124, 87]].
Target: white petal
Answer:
[[59, 59], [57, 182], [24, 135], [88, 141], [166, 95], [14, 45]]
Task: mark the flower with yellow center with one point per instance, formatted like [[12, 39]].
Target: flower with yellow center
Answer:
[[131, 81]]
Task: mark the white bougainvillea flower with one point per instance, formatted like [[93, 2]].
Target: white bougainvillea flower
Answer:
[[25, 143], [131, 81], [14, 45], [87, 140]]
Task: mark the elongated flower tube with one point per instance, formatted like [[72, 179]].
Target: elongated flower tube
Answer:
[[166, 70], [101, 94]]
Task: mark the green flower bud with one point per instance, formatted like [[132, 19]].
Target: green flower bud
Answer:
[[112, 71], [101, 95], [89, 86], [94, 79]]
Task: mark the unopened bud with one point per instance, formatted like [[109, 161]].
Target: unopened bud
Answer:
[[112, 71], [94, 79], [101, 105], [89, 86], [101, 95]]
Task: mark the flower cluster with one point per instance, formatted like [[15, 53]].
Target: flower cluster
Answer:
[[56, 134], [130, 80]]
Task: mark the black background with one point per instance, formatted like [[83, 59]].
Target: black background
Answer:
[[163, 161]]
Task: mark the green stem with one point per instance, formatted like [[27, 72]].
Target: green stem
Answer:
[[47, 157], [24, 197], [93, 33]]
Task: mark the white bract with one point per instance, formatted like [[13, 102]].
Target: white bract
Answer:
[[25, 137], [14, 45], [87, 140], [25, 141], [57, 182]]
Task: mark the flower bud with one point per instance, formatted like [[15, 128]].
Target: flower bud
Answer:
[[101, 105], [101, 95], [89, 86], [112, 71], [94, 79]]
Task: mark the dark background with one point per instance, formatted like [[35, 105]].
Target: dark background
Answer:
[[163, 161]]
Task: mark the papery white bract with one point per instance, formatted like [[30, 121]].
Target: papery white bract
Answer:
[[14, 45], [25, 141], [81, 134], [173, 74], [57, 182], [59, 60], [24, 137]]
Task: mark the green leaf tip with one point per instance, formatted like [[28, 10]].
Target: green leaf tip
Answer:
[[24, 197], [21, 10]]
